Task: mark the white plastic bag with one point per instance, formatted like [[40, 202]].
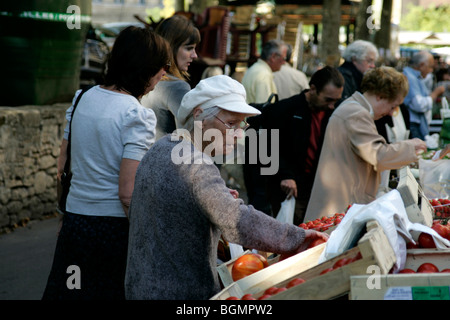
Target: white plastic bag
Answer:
[[286, 213], [435, 178], [236, 250], [389, 211]]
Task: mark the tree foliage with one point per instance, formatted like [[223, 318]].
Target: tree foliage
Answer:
[[435, 19]]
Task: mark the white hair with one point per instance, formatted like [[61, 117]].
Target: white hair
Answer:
[[358, 50], [419, 57], [206, 114]]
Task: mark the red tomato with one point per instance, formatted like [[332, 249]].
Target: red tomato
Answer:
[[280, 290], [441, 230], [271, 290], [426, 241], [295, 282], [326, 270], [411, 245], [427, 268], [232, 298], [315, 242], [407, 271], [355, 258], [341, 262], [264, 296], [445, 270], [248, 264], [248, 296]]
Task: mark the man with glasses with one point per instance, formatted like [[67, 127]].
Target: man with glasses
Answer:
[[359, 57], [301, 120]]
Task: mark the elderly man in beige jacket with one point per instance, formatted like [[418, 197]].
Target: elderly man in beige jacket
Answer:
[[354, 154]]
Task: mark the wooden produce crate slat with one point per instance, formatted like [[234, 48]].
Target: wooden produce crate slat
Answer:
[[365, 288], [417, 205]]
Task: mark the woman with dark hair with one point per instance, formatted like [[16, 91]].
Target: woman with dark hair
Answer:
[[110, 133], [165, 100]]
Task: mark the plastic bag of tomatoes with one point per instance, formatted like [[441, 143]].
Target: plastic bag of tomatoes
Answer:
[[441, 208]]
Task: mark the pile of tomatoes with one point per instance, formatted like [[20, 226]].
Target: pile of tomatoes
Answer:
[[441, 207], [426, 267], [322, 224]]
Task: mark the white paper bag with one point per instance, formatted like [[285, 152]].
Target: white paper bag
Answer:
[[236, 250], [286, 213]]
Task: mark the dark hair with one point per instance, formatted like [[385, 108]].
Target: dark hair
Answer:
[[138, 55], [178, 30], [441, 72], [326, 75]]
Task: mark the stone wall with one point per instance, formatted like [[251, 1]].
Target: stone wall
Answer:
[[30, 137]]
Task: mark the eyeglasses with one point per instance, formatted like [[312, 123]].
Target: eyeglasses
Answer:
[[167, 67], [243, 125]]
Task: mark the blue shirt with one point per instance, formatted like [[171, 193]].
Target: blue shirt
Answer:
[[417, 100]]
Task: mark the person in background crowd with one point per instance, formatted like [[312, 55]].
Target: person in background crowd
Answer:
[[258, 79], [259, 85], [354, 153], [302, 120], [110, 133], [181, 205], [288, 80], [165, 100], [418, 100], [359, 57]]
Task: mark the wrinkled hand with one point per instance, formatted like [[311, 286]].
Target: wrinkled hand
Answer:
[[419, 145], [289, 187], [310, 236]]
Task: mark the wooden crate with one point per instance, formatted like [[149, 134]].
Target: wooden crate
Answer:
[[407, 286], [373, 246], [417, 205], [273, 274]]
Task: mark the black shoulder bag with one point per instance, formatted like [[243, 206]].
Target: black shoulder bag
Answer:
[[66, 176]]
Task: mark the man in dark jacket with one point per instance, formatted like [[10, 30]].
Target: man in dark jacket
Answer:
[[359, 57], [302, 121]]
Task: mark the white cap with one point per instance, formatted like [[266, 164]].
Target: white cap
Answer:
[[221, 91]]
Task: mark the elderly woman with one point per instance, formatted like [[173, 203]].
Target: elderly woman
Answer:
[[353, 153], [181, 205]]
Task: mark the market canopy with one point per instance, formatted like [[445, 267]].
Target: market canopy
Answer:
[[424, 37]]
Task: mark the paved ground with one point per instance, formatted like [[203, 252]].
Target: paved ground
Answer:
[[26, 256]]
